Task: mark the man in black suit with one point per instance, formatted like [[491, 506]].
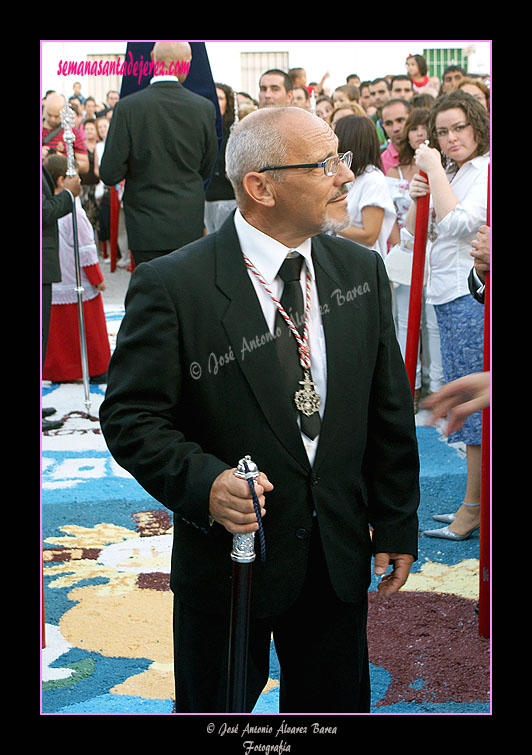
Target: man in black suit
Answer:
[[54, 206], [481, 255], [197, 382], [163, 141]]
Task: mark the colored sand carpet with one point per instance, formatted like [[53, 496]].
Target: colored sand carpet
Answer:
[[108, 606]]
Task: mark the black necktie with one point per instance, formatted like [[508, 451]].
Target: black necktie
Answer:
[[293, 304]]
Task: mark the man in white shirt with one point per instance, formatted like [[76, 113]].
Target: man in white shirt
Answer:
[[275, 88], [197, 381]]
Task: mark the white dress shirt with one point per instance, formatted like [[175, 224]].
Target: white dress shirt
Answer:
[[165, 77], [449, 258], [267, 255]]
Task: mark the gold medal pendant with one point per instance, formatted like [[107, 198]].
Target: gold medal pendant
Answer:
[[307, 400]]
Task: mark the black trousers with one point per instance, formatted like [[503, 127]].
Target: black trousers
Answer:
[[320, 644]]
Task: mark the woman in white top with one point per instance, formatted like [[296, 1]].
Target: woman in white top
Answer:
[[369, 203], [399, 260], [459, 127]]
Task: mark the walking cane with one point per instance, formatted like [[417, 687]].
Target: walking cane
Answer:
[[243, 555], [113, 224], [67, 121], [484, 611], [416, 288]]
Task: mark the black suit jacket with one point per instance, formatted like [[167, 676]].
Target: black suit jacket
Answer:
[[476, 290], [53, 207], [163, 141], [194, 385]]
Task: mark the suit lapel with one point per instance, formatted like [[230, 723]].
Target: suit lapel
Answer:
[[251, 341]]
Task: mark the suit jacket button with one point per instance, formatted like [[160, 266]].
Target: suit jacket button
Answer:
[[301, 533], [314, 480]]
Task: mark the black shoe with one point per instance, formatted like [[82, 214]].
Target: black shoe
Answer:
[[48, 411], [98, 379], [48, 424]]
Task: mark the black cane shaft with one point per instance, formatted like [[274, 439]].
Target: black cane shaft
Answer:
[[238, 639]]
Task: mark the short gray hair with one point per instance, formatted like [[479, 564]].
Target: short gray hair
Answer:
[[254, 143]]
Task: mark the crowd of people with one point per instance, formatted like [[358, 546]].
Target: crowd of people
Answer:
[[397, 138]]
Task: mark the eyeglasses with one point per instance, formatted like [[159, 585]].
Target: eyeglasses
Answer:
[[330, 165], [442, 133]]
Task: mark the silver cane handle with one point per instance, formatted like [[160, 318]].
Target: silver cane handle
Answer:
[[244, 545], [68, 121]]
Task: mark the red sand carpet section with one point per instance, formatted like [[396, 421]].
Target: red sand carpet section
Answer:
[[108, 607]]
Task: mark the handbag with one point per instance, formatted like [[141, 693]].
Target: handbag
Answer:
[[398, 263]]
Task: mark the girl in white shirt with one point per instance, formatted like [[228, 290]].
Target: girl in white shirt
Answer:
[[369, 202], [459, 127], [399, 260]]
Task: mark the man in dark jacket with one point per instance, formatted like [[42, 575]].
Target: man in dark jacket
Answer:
[[481, 253], [163, 141], [197, 382]]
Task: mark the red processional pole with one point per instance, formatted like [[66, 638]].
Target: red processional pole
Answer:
[[416, 288], [113, 226], [43, 618], [484, 612]]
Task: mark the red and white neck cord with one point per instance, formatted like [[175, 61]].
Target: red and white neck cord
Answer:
[[303, 347]]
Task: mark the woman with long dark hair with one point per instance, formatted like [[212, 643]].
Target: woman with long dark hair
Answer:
[[369, 202], [400, 257]]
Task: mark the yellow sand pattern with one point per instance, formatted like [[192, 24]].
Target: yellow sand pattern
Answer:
[[119, 619]]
